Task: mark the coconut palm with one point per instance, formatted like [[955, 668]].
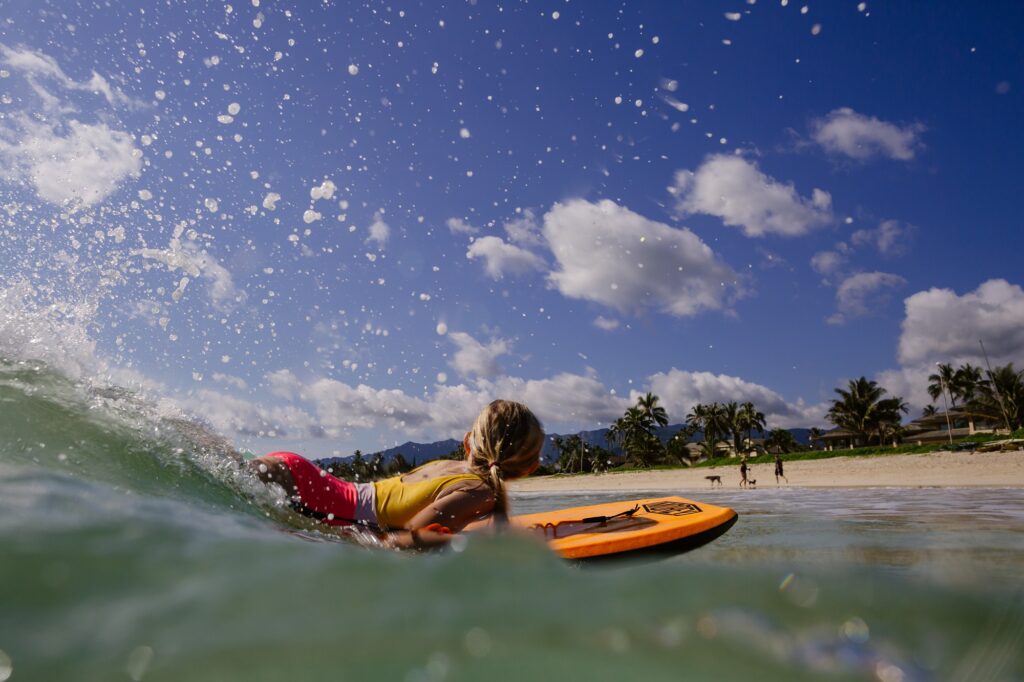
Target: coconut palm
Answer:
[[399, 465], [655, 412], [751, 419], [889, 416], [965, 384], [714, 422], [861, 407], [1000, 398], [734, 424], [634, 432], [698, 418], [889, 431], [942, 381], [571, 453], [360, 469], [781, 440], [929, 411]]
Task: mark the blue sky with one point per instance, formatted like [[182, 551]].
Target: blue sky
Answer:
[[325, 226]]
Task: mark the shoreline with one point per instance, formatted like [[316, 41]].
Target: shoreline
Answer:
[[943, 469]]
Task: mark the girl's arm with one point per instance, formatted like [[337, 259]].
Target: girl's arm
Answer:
[[449, 513]]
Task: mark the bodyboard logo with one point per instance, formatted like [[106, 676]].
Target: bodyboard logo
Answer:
[[669, 508]]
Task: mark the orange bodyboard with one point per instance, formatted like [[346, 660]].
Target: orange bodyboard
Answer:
[[661, 525]]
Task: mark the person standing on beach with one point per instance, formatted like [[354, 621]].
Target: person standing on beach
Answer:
[[743, 472], [778, 469]]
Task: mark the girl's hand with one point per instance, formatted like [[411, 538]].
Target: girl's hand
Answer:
[[430, 536]]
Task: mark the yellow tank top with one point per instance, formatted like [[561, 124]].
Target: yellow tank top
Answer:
[[398, 501]]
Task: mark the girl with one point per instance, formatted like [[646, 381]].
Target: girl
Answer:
[[422, 508]]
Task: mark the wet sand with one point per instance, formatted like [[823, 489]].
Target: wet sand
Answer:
[[942, 469]]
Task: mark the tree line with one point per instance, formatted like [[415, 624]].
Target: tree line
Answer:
[[873, 417], [863, 407], [635, 434]]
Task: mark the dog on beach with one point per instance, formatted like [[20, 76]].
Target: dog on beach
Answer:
[[752, 483], [714, 480]]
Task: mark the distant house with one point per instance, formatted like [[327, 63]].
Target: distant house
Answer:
[[695, 450], [839, 439], [935, 428]]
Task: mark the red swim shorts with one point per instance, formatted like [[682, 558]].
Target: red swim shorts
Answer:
[[322, 496]]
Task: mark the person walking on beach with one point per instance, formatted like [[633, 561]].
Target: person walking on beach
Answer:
[[422, 508], [743, 471], [778, 469]]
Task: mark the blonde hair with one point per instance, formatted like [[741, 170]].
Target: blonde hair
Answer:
[[506, 440]]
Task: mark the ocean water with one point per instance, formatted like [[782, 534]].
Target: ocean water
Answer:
[[132, 547]]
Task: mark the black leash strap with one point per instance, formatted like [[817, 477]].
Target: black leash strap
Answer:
[[600, 520]]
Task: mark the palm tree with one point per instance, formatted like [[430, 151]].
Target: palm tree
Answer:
[[732, 423], [697, 419], [861, 408], [634, 432], [377, 465], [654, 411], [781, 440], [1001, 397], [814, 435], [570, 453], [941, 382], [929, 411], [965, 384], [359, 469], [398, 465], [713, 419], [888, 418], [752, 419], [890, 431]]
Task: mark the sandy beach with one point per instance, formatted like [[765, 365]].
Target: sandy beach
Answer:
[[947, 469]]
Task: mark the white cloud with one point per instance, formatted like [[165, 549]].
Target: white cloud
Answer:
[[460, 226], [65, 160], [231, 414], [327, 408], [501, 258], [572, 400], [680, 390], [524, 230], [610, 255], [844, 131], [828, 263], [79, 163], [606, 323], [890, 238], [379, 231], [340, 407], [736, 191], [941, 326], [322, 408], [234, 382], [861, 293], [36, 65], [475, 358], [284, 384]]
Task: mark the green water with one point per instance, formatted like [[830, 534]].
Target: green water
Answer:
[[132, 548]]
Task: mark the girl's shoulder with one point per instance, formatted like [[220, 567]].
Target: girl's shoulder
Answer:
[[435, 469]]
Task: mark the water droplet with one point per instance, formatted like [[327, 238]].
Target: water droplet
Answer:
[[138, 662]]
